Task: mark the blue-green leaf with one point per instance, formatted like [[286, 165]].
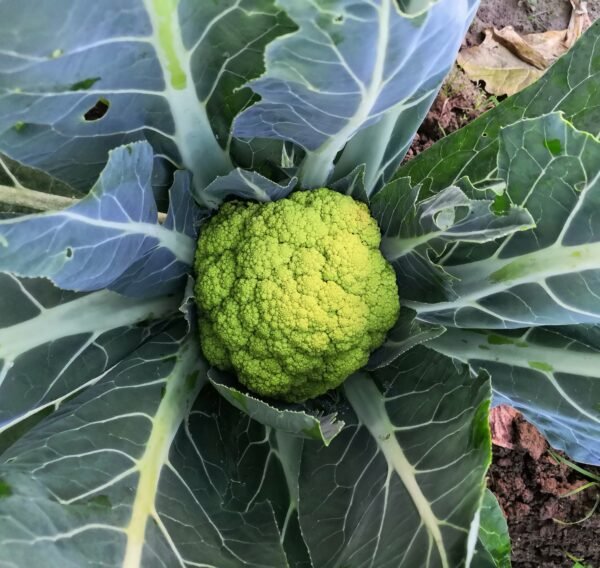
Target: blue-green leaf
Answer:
[[244, 184], [298, 420], [132, 473], [416, 232], [401, 485], [408, 332], [352, 184], [55, 343], [568, 86], [551, 374], [346, 68], [77, 79], [549, 275], [114, 230]]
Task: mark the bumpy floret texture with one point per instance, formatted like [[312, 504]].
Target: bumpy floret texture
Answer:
[[293, 295]]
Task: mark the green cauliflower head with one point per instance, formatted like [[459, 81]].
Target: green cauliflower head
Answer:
[[293, 295]]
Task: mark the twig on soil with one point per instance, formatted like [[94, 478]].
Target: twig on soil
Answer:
[[594, 483]]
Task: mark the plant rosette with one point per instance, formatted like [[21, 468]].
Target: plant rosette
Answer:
[[172, 149]]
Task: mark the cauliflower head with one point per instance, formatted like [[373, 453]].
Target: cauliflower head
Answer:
[[293, 295]]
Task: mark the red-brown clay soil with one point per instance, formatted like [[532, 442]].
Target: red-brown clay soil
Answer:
[[529, 483]]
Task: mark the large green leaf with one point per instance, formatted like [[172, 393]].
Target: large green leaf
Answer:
[[408, 332], [362, 72], [551, 374], [53, 343], [570, 86], [131, 473], [114, 229], [493, 548], [163, 70], [401, 485], [549, 275]]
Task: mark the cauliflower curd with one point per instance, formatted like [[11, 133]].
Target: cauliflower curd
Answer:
[[293, 295]]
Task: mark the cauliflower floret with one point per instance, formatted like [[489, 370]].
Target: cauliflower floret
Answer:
[[293, 295]]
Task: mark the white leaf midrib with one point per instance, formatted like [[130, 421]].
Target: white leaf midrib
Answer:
[[171, 412], [481, 280], [87, 314], [181, 245], [562, 360], [317, 164], [199, 149], [369, 406]]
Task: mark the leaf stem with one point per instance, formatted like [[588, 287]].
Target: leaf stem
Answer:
[[40, 201]]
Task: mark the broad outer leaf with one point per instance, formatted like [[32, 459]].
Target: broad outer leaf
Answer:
[[253, 471], [552, 375], [114, 478], [293, 419], [55, 343], [568, 86], [402, 483], [493, 548], [113, 229], [549, 275], [344, 69], [158, 69]]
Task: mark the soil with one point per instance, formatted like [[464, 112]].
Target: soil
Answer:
[[529, 484], [526, 16], [458, 103], [527, 481], [460, 100]]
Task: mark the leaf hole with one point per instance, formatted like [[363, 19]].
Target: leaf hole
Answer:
[[97, 111], [338, 19], [69, 252]]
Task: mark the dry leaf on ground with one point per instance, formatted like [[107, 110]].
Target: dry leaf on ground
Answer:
[[507, 71], [508, 62], [580, 21]]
